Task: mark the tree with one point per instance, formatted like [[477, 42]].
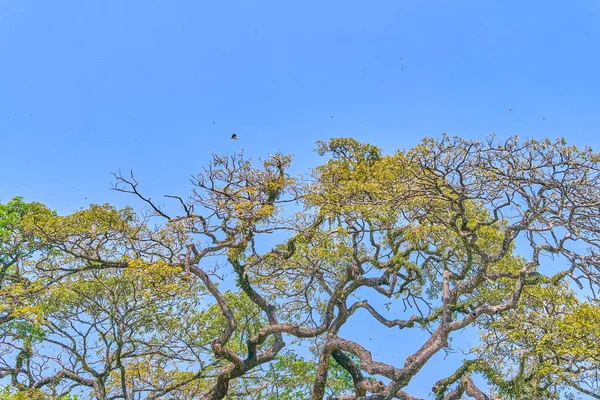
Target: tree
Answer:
[[247, 290], [14, 248]]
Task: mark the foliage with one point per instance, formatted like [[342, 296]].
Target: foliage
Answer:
[[247, 291]]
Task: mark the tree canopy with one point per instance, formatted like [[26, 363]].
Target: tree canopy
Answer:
[[244, 288]]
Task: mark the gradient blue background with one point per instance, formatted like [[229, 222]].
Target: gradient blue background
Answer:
[[91, 87]]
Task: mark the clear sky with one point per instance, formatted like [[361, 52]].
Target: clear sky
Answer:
[[90, 87]]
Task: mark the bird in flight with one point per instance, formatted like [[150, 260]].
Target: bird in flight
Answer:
[[234, 137]]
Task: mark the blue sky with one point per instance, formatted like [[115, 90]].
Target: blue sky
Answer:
[[90, 87]]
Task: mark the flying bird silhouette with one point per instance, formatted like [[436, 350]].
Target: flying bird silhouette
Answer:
[[234, 137]]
